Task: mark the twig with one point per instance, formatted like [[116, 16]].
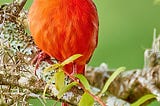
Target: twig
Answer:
[[127, 87], [21, 4], [80, 84]]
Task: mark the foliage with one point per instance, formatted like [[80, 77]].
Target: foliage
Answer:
[[143, 99], [86, 100], [112, 77], [16, 51]]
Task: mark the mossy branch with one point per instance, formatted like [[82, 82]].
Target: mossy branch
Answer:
[[17, 50]]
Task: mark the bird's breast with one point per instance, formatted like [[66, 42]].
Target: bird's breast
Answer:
[[65, 29]]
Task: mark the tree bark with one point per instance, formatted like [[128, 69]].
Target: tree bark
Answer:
[[17, 77]]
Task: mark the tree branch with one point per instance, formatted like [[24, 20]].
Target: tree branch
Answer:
[[17, 50], [21, 4]]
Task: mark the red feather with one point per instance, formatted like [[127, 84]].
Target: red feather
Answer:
[[62, 28]]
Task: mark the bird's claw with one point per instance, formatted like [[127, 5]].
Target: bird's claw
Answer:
[[41, 56]]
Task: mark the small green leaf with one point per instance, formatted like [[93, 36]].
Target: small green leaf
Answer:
[[44, 92], [65, 89], [45, 89], [50, 68], [59, 80], [83, 80], [86, 100], [112, 77], [143, 99], [71, 59]]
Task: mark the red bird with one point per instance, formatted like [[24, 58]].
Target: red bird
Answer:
[[62, 28]]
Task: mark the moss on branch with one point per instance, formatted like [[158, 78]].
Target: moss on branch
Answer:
[[17, 50]]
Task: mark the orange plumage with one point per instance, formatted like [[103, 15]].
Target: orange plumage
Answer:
[[62, 28]]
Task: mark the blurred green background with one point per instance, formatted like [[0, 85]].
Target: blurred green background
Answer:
[[126, 30]]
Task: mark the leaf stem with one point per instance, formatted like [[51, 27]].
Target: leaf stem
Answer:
[[80, 84]]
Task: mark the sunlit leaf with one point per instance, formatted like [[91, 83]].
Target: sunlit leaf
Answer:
[[111, 78], [86, 100], [44, 92], [71, 59], [59, 79], [50, 68], [83, 80], [65, 89], [143, 99], [45, 89], [58, 65]]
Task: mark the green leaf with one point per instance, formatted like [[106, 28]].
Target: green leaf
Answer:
[[44, 92], [45, 89], [86, 100], [71, 59], [50, 68], [143, 99], [65, 89], [59, 79], [112, 77], [83, 80]]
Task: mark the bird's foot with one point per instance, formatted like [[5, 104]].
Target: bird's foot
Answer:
[[41, 56]]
